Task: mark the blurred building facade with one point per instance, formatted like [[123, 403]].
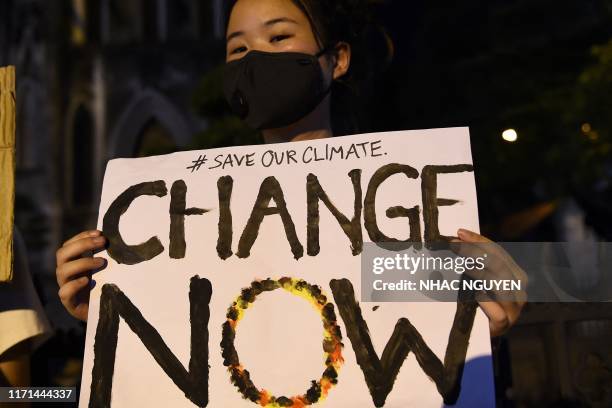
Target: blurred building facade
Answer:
[[97, 79]]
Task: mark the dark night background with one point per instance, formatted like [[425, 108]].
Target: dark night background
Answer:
[[102, 79]]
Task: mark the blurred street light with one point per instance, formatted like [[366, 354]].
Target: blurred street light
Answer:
[[586, 128], [588, 131], [510, 135]]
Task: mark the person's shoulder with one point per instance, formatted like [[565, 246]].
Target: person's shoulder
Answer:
[[20, 308]]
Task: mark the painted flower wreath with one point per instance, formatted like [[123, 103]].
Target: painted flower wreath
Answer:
[[332, 343]]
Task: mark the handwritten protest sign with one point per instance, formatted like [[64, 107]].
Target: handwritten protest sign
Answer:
[[234, 277]]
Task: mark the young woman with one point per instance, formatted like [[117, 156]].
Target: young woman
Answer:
[[300, 51]]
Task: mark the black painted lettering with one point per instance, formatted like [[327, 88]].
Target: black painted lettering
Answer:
[[371, 224], [114, 304], [270, 189], [224, 242], [118, 250], [380, 373], [351, 228], [431, 202], [178, 194]]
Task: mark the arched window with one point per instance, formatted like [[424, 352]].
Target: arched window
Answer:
[[83, 158], [154, 139]]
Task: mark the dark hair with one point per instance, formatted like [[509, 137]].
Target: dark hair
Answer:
[[350, 21]]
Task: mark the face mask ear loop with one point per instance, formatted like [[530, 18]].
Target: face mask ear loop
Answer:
[[324, 51]]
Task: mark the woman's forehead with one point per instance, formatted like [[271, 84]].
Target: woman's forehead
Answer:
[[255, 14]]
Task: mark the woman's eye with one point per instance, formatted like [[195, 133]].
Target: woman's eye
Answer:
[[278, 38], [238, 50]]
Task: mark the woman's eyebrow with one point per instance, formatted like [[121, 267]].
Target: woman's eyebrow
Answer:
[[267, 24], [279, 20], [234, 35]]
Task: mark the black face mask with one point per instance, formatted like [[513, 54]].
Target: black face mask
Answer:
[[271, 90]]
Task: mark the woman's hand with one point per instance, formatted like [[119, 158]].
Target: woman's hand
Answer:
[[74, 268], [501, 311]]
